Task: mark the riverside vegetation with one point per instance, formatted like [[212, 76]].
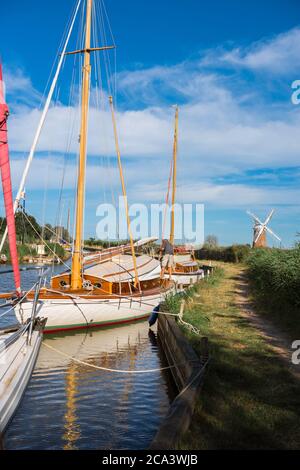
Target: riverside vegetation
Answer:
[[275, 285], [274, 279], [249, 399], [30, 232]]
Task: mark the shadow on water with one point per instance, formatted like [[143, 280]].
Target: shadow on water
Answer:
[[171, 386]]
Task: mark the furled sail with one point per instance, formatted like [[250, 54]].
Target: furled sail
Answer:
[[7, 187]]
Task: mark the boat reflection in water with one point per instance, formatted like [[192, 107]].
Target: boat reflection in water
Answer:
[[69, 405]]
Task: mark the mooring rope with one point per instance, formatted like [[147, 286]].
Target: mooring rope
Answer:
[[107, 369], [193, 379], [122, 371], [191, 327]]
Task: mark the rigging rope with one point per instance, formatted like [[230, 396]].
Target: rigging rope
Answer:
[[101, 95], [19, 301], [71, 119], [44, 241]]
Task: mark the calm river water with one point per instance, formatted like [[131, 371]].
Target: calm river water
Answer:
[[72, 406]]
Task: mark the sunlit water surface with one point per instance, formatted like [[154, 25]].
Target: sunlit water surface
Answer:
[[68, 405]]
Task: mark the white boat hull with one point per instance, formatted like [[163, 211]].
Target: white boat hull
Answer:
[[71, 314], [16, 364]]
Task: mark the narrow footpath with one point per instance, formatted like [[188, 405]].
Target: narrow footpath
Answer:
[[279, 341]]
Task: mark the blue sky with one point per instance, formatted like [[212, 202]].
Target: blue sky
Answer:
[[229, 65]]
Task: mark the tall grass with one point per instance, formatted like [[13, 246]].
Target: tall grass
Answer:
[[23, 251], [231, 254], [172, 301], [51, 248], [275, 280]]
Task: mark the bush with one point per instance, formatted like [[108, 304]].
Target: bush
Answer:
[[233, 254], [51, 248], [275, 273], [23, 251]]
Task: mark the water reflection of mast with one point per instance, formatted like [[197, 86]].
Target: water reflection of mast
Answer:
[[72, 429], [123, 418]]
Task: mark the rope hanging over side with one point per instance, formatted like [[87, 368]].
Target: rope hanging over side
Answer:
[[107, 369], [191, 327]]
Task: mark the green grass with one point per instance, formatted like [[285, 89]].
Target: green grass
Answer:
[[23, 251], [26, 250], [231, 254], [249, 399]]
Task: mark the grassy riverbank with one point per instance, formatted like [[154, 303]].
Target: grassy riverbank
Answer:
[[26, 251], [249, 398]]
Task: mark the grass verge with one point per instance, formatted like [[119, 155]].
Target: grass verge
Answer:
[[249, 399]]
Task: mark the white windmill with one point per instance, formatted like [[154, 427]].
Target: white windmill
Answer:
[[260, 228]]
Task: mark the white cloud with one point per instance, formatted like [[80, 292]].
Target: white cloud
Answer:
[[279, 55], [221, 195], [19, 88], [46, 174], [223, 128], [142, 133], [220, 132]]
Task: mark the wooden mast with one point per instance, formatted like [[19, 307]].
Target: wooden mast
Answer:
[[136, 281], [172, 234], [76, 275]]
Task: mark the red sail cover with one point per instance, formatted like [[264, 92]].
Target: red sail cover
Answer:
[[7, 187]]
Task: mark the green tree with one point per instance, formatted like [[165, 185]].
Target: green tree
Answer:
[[211, 241], [28, 229]]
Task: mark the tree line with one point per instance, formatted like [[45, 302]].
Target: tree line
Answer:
[[30, 231]]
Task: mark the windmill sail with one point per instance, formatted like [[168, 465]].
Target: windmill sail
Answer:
[[261, 228]]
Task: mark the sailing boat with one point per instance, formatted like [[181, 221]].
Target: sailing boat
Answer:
[[186, 270], [19, 345], [117, 289]]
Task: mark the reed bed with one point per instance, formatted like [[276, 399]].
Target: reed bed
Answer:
[[275, 281]]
